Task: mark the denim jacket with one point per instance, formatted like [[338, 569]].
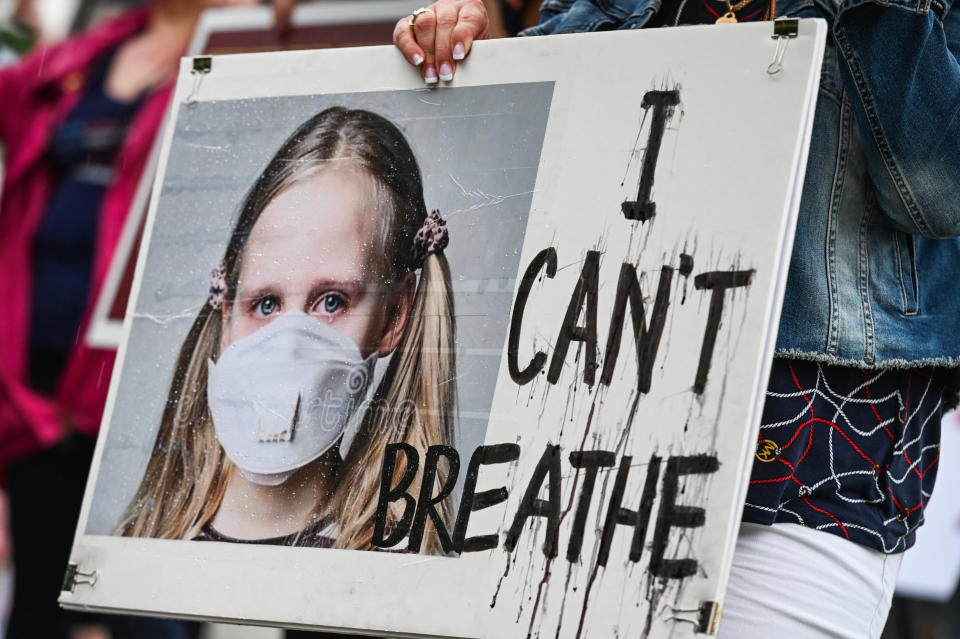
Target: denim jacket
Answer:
[[874, 278]]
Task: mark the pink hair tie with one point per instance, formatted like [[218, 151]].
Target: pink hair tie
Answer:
[[218, 287], [431, 239]]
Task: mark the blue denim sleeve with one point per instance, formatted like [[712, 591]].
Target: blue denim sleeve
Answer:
[[551, 13], [902, 58]]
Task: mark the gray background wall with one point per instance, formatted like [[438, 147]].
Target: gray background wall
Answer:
[[478, 149]]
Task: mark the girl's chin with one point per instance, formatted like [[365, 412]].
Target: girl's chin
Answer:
[[266, 479]]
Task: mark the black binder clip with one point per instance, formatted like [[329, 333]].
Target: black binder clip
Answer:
[[74, 577], [201, 67], [784, 30], [707, 619]]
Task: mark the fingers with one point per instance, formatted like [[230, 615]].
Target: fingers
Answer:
[[404, 40], [472, 24], [447, 15], [441, 36], [425, 30]]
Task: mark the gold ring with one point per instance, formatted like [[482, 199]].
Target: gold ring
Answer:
[[413, 16]]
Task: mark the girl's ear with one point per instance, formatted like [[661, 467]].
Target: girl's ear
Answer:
[[397, 314]]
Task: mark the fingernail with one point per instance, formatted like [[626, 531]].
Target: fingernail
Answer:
[[430, 75], [446, 72], [458, 51], [417, 59]]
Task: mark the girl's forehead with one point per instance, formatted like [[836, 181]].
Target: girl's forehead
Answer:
[[342, 198], [328, 221]]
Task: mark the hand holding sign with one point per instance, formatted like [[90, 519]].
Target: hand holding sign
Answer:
[[436, 37]]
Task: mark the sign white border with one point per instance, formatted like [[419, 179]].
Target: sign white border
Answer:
[[268, 585]]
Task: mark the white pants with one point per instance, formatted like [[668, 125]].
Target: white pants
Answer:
[[792, 581]]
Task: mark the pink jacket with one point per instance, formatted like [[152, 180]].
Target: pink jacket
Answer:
[[35, 97]]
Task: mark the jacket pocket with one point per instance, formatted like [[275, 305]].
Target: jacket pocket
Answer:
[[906, 252]]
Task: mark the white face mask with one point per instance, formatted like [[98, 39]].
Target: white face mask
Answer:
[[282, 396]]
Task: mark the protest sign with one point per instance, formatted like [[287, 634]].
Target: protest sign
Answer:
[[482, 360]]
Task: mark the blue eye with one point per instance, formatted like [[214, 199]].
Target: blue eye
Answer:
[[267, 305], [331, 303]]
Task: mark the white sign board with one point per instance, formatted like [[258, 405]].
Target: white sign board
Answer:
[[545, 430]]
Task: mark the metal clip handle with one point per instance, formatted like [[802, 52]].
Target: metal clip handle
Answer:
[[74, 577], [202, 66], [784, 30], [707, 620]]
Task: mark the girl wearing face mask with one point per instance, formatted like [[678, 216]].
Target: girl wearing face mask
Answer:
[[334, 262]]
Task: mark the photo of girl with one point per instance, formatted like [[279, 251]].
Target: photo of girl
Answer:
[[322, 276], [333, 263]]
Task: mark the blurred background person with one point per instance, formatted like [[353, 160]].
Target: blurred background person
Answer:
[[77, 122], [17, 34]]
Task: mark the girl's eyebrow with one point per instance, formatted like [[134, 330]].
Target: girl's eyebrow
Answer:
[[324, 283], [350, 288], [340, 283], [260, 291]]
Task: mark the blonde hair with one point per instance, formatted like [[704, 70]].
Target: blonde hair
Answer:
[[187, 473]]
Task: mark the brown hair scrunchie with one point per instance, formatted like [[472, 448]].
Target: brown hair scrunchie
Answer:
[[218, 287], [431, 239]]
